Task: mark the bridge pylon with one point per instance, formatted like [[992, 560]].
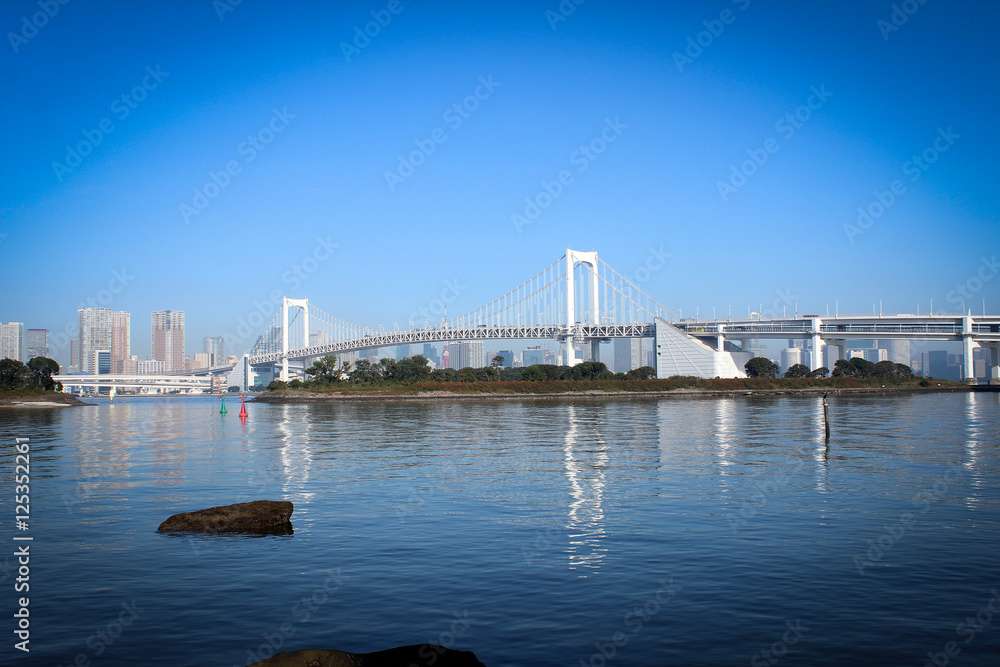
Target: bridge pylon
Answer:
[[287, 303]]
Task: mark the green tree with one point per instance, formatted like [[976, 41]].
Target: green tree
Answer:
[[761, 367], [820, 372], [467, 374], [641, 373], [797, 371], [325, 370], [497, 361], [533, 374], [844, 368], [587, 370], [14, 374], [365, 372], [42, 370], [277, 385]]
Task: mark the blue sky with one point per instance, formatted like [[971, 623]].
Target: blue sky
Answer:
[[290, 123]]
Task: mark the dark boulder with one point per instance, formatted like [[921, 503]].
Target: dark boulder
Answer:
[[417, 655], [261, 517]]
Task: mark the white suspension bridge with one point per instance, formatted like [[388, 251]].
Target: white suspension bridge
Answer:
[[578, 300]]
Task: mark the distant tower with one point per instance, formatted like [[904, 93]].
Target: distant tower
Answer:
[[168, 338]]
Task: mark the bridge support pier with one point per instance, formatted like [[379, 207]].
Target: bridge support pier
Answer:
[[817, 345], [968, 345]]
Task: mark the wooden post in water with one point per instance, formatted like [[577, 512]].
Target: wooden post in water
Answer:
[[826, 419]]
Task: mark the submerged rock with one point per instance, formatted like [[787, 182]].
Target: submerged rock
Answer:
[[417, 655], [262, 517]]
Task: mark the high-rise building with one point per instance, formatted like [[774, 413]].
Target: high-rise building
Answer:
[[74, 356], [102, 362], [402, 352], [533, 355], [508, 358], [467, 354], [628, 354], [12, 341], [121, 340], [216, 354], [898, 350], [430, 353], [37, 343], [95, 334], [168, 338], [149, 367], [789, 357]]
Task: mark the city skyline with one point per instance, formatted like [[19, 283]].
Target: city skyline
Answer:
[[840, 163]]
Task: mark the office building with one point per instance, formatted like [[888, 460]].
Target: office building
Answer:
[[101, 362], [74, 356], [628, 354], [467, 354], [149, 367], [898, 350], [214, 349], [12, 341], [95, 334], [402, 352], [168, 338], [533, 355], [508, 358], [37, 342], [121, 340], [789, 357]]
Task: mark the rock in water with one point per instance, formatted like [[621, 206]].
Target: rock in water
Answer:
[[417, 655], [262, 517]]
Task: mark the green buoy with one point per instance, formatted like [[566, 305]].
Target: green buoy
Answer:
[[222, 410]]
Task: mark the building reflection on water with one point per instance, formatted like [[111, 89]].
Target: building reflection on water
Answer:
[[585, 459], [296, 452]]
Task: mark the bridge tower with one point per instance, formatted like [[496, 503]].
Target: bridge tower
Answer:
[[589, 259], [287, 303]]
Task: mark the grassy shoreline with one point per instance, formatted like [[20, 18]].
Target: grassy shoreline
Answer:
[[679, 387]]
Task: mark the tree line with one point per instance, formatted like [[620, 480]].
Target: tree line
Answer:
[[761, 367], [36, 374], [328, 372]]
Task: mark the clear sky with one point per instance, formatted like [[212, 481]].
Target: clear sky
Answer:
[[194, 156]]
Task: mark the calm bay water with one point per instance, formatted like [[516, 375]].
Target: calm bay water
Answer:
[[697, 531]]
